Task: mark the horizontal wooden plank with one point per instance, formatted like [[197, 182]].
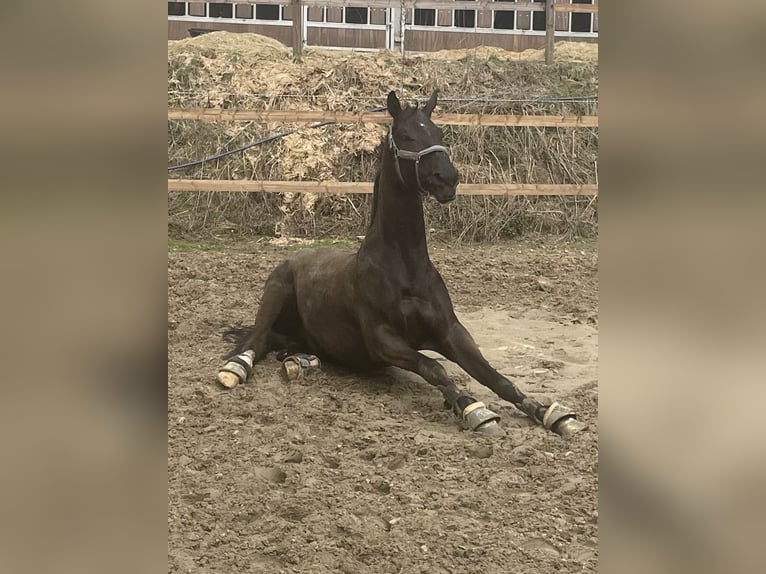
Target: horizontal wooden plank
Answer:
[[333, 187], [579, 8], [311, 116]]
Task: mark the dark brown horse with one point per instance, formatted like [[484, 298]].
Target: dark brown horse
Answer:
[[381, 305]]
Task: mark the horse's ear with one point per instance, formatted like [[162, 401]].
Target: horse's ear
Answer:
[[430, 104], [394, 107]]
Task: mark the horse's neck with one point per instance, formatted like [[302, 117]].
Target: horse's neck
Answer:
[[397, 215]]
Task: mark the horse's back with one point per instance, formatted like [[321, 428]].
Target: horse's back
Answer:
[[322, 266]]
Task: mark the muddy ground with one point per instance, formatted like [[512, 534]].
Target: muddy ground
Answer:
[[341, 473]]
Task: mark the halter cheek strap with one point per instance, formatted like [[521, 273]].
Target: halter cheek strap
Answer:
[[412, 156]]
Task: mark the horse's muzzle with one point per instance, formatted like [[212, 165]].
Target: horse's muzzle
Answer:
[[445, 194]]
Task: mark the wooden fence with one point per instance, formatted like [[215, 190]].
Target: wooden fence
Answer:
[[310, 116], [248, 186], [341, 187]]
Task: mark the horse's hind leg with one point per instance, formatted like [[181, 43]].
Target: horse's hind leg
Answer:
[[278, 295]]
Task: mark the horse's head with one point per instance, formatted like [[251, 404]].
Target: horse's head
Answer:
[[422, 162]]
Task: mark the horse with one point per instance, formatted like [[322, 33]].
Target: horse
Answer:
[[381, 305]]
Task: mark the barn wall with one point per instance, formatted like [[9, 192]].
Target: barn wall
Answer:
[[346, 38], [420, 41], [415, 40]]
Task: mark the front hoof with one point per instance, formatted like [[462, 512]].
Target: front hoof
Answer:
[[477, 417], [562, 421]]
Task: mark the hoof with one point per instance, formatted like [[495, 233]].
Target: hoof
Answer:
[[227, 379], [299, 365], [490, 428], [562, 421], [477, 417], [236, 370]]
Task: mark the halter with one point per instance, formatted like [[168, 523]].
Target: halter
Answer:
[[413, 156]]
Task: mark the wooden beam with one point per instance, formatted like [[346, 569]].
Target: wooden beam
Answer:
[[311, 116], [332, 187], [579, 8], [550, 30], [297, 15]]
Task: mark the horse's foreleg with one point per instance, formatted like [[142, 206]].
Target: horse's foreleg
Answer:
[[253, 347], [391, 349], [458, 346]]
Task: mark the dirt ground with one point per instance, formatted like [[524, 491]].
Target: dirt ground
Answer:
[[341, 473]]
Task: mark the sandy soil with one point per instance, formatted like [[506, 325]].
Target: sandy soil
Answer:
[[339, 473]]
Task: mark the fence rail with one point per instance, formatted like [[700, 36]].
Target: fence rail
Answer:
[[247, 186], [300, 116]]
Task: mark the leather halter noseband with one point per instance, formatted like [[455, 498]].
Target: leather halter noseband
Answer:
[[412, 156]]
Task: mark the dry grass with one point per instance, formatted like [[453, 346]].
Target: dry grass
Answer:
[[248, 71]]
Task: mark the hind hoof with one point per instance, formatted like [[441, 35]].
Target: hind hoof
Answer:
[[227, 379], [477, 417]]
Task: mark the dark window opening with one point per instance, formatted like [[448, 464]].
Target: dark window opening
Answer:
[[504, 19], [425, 17], [581, 21], [465, 18], [176, 8], [219, 10], [267, 11], [357, 16], [538, 18]]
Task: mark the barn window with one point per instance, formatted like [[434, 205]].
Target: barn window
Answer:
[[538, 18], [197, 9], [267, 11], [176, 8], [220, 10], [244, 11], [581, 22], [504, 19], [357, 15], [465, 18], [425, 17]]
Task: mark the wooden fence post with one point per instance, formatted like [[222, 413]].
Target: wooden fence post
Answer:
[[550, 30], [297, 9]]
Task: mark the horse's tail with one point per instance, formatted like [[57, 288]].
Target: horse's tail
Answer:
[[240, 337]]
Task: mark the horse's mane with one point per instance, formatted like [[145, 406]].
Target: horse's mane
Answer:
[[381, 149]]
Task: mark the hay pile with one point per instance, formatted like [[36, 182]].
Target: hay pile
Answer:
[[248, 71], [563, 51]]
